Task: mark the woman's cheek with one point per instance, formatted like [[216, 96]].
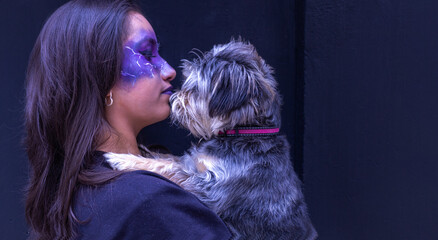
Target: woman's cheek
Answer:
[[135, 66]]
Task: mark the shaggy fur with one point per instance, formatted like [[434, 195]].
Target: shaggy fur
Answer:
[[249, 181]]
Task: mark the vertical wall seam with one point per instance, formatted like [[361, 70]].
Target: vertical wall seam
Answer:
[[298, 148]]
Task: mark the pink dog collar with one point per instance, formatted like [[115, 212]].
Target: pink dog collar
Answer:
[[249, 131]]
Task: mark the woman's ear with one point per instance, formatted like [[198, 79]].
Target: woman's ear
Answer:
[[109, 99]]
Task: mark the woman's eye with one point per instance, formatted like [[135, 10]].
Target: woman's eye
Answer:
[[147, 54]]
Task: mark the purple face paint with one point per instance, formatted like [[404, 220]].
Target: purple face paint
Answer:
[[141, 58]]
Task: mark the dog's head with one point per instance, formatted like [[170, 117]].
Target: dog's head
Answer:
[[227, 87]]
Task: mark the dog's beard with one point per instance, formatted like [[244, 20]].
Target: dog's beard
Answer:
[[193, 115]]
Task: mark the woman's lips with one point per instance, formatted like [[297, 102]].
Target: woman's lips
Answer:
[[168, 91]]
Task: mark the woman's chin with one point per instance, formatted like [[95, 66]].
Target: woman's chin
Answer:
[[164, 113]]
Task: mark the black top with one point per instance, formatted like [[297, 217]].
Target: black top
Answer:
[[144, 205]]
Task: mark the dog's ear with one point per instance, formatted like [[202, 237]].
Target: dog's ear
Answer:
[[230, 89]]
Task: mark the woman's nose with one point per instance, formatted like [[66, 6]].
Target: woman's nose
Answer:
[[168, 73]]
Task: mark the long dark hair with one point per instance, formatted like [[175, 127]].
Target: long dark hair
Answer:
[[75, 62]]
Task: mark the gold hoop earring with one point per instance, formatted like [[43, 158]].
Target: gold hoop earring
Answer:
[[111, 100]]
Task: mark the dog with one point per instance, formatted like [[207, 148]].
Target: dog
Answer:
[[241, 167]]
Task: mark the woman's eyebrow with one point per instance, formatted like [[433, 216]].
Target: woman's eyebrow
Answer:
[[150, 41]]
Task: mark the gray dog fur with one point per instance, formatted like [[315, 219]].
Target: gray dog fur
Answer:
[[250, 182]]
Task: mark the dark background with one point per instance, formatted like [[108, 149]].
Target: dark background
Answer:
[[359, 81], [371, 115]]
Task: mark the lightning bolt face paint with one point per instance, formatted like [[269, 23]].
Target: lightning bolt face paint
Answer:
[[141, 58]]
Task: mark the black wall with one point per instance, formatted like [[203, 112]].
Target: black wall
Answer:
[[358, 79], [370, 147], [20, 23]]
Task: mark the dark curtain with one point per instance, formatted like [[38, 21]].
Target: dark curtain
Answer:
[[370, 146]]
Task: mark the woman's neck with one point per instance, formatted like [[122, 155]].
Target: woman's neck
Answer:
[[120, 142]]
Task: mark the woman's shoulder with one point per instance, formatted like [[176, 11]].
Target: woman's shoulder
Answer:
[[144, 205], [125, 193], [140, 183]]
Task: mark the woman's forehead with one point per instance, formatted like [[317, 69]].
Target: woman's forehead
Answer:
[[139, 28]]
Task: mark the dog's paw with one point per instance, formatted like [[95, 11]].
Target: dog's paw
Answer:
[[122, 161]]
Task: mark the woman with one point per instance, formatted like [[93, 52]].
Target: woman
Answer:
[[94, 80]]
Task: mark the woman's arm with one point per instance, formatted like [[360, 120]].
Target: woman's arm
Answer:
[[143, 205]]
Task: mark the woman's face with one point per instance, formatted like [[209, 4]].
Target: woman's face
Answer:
[[141, 96]]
